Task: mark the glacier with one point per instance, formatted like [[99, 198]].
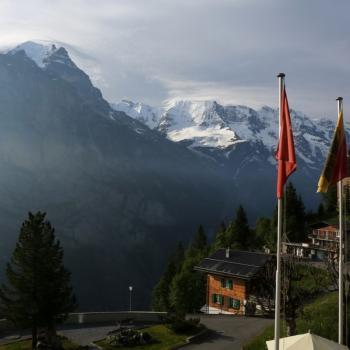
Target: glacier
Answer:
[[204, 125]]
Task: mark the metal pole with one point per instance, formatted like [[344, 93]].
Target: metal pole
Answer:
[[279, 234], [130, 290], [340, 201]]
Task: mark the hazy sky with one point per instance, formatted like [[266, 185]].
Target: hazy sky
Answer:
[[228, 50]]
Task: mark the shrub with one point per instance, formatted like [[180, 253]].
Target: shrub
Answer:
[[129, 337], [179, 324]]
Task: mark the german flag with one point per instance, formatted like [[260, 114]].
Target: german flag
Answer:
[[335, 168]]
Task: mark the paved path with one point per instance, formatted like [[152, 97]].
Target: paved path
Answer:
[[12, 338], [79, 334], [229, 332]]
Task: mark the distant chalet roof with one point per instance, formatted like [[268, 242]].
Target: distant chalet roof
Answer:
[[330, 224], [239, 264], [320, 224]]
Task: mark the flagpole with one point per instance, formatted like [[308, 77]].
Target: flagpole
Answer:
[[340, 201], [279, 234]]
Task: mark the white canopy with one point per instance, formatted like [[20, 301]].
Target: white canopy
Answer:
[[307, 341]]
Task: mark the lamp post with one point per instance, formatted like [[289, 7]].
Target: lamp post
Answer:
[[130, 290]]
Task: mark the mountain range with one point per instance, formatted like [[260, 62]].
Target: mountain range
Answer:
[[123, 183], [242, 141]]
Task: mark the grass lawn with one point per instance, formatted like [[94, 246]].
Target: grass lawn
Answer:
[[27, 345], [165, 340], [320, 317]]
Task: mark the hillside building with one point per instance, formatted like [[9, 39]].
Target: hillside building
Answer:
[[322, 244], [233, 279]]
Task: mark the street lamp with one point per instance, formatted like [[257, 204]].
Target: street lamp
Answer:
[[130, 290]]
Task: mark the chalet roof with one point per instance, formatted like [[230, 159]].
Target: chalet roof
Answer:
[[333, 223], [318, 225], [240, 264], [330, 228]]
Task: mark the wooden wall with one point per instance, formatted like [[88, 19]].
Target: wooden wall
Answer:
[[237, 292]]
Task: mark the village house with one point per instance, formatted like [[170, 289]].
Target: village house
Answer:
[[322, 244], [233, 279]]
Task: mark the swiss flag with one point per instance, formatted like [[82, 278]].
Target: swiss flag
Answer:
[[285, 154]]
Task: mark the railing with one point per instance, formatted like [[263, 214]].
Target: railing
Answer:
[[327, 235]]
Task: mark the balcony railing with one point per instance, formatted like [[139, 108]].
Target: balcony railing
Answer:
[[325, 235]]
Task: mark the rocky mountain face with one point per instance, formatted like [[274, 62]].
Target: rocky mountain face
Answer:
[[119, 194], [242, 141]]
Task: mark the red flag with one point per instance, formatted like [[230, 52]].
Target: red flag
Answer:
[[285, 154]]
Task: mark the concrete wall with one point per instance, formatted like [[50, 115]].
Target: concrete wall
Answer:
[[111, 317], [101, 317]]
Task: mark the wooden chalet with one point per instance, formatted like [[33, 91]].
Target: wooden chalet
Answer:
[[232, 280], [322, 243]]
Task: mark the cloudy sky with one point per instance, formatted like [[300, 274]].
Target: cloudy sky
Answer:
[[228, 50]]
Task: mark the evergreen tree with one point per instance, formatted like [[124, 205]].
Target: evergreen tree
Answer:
[[160, 295], [220, 240], [200, 239], [38, 292], [321, 212], [263, 233], [311, 217], [188, 287], [187, 291], [179, 256], [330, 201], [295, 219], [239, 233], [295, 215]]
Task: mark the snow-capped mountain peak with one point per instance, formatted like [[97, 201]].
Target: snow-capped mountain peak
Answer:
[[44, 54], [207, 126], [196, 121], [200, 123], [39, 53], [144, 113]]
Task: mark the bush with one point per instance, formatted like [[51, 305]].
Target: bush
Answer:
[[129, 337], [179, 324]]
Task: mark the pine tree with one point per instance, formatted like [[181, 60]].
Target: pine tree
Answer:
[[160, 295], [186, 291], [179, 256], [188, 288], [263, 233], [200, 239], [321, 212], [220, 240], [295, 215], [330, 201], [38, 292], [239, 233]]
